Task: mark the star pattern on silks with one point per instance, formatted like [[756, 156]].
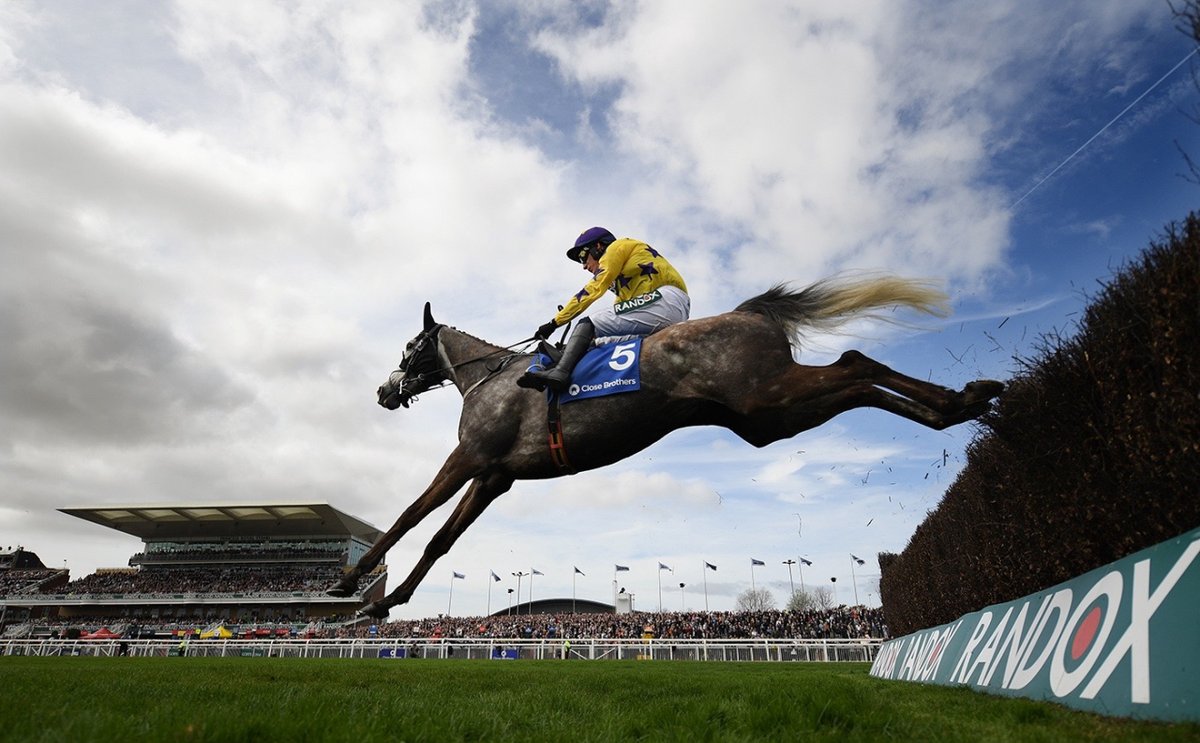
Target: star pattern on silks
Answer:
[[623, 281], [648, 269], [653, 252], [579, 295]]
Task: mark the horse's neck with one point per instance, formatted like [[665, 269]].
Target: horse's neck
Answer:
[[472, 353]]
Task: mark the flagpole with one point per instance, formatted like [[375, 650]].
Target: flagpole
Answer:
[[531, 573], [519, 574], [489, 604], [854, 579], [669, 569], [801, 568], [451, 600], [620, 569], [752, 586]]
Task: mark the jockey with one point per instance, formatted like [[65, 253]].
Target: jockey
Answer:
[[650, 296]]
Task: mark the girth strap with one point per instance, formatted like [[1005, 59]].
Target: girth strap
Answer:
[[558, 445]]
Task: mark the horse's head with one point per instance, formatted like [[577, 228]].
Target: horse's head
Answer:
[[420, 369]]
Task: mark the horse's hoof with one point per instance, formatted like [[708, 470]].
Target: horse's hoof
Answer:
[[967, 413], [374, 609], [341, 590], [981, 390]]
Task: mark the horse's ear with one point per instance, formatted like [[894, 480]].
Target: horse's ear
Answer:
[[429, 323]]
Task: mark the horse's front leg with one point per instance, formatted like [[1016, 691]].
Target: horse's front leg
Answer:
[[479, 496], [456, 471]]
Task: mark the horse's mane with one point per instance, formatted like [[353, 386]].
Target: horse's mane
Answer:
[[830, 303], [495, 347]]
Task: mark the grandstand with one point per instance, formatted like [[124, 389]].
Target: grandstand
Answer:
[[22, 573], [213, 565]]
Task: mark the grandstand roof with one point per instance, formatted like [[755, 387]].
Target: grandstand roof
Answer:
[[557, 606], [161, 522]]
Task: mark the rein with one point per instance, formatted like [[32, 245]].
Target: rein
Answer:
[[510, 347], [504, 361]]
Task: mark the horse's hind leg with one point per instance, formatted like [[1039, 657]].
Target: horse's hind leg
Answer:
[[868, 395], [802, 397], [949, 402], [479, 496], [773, 423], [455, 472]]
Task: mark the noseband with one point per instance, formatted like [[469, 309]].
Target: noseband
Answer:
[[420, 370]]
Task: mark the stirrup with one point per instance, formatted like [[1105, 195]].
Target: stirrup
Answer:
[[553, 378], [531, 381]]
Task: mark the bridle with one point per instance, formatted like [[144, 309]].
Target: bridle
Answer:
[[421, 370]]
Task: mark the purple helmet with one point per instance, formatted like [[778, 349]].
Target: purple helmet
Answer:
[[580, 250]]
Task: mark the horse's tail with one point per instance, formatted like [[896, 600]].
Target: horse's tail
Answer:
[[830, 303]]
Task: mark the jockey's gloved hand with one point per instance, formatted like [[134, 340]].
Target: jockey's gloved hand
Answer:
[[544, 331]]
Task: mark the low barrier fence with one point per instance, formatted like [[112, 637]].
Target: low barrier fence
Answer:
[[821, 650], [1118, 640]]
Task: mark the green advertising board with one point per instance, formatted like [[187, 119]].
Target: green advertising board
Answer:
[[1121, 640]]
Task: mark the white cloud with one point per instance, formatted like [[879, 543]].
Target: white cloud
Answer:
[[801, 142], [834, 136]]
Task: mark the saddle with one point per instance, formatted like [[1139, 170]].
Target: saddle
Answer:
[[554, 352]]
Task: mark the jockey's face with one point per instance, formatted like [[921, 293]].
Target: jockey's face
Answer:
[[591, 264]]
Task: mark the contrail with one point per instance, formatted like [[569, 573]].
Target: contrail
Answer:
[[1105, 128]]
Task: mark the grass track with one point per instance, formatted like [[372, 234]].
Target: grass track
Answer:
[[266, 699]]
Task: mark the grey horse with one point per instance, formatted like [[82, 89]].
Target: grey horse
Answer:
[[734, 370]]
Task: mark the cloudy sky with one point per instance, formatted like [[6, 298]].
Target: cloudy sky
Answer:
[[219, 221]]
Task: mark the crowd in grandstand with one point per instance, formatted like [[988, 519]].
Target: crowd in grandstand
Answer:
[[161, 552], [215, 579], [25, 581], [841, 622]]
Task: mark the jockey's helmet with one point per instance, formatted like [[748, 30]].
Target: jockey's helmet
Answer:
[[592, 242]]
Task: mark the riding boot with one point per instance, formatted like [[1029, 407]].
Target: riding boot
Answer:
[[557, 376]]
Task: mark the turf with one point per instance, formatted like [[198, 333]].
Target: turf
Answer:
[[286, 699]]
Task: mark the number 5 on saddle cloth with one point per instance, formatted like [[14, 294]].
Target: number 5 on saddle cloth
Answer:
[[604, 370]]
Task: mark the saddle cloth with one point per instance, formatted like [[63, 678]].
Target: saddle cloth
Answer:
[[609, 369]]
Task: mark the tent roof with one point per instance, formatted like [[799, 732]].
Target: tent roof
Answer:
[[165, 522]]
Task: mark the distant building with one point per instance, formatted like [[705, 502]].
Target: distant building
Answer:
[[202, 564], [566, 605], [22, 573], [20, 559]]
